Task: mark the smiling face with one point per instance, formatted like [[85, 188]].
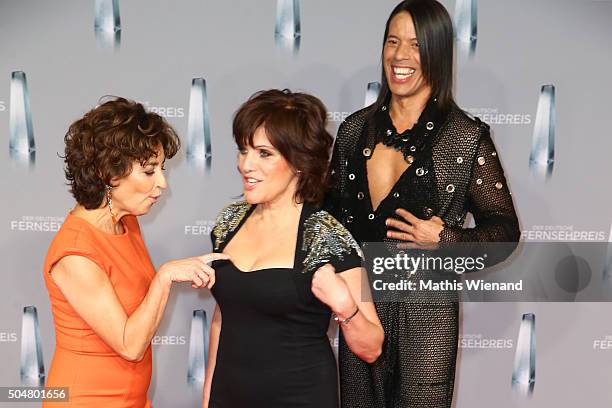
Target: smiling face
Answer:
[[135, 193], [267, 176], [402, 61]]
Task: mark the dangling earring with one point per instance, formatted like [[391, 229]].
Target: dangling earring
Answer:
[[109, 202]]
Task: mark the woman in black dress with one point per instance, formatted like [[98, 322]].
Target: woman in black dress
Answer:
[[291, 266], [407, 170]]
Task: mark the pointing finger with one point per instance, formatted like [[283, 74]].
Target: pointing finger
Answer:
[[215, 256]]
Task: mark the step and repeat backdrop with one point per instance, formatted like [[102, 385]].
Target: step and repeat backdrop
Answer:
[[536, 71]]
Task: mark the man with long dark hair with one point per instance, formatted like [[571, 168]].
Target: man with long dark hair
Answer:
[[407, 170]]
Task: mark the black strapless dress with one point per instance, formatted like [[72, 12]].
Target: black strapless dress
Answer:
[[273, 348]]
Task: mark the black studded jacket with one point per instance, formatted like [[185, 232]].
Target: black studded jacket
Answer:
[[454, 169]]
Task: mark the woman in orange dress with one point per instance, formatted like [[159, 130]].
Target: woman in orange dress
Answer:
[[106, 298]]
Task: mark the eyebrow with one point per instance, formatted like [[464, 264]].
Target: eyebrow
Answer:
[[395, 36], [266, 146], [153, 163]]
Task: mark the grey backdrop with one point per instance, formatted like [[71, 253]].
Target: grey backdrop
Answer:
[[521, 46]]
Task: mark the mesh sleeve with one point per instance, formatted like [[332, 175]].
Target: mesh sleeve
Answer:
[[489, 200]]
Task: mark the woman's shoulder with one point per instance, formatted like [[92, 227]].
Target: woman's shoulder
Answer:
[[72, 238], [232, 212], [74, 232], [326, 239], [228, 219]]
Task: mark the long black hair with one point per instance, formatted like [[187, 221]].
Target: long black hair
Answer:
[[434, 31]]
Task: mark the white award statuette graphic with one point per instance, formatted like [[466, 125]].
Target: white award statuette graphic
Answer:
[[287, 28], [466, 26], [32, 364], [542, 156], [198, 125], [371, 93], [198, 348], [107, 26], [21, 139], [523, 373]]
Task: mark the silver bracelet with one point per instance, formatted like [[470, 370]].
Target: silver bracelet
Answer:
[[348, 319]]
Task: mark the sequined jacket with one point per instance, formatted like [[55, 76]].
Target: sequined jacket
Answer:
[[321, 238], [454, 170]]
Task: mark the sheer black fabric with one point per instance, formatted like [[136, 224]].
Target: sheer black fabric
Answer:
[[454, 170]]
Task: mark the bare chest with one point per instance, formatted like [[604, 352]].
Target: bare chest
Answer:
[[384, 169]]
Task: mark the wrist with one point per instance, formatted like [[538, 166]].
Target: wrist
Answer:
[[345, 308], [346, 320]]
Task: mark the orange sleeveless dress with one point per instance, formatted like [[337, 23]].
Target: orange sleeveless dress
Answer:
[[96, 375]]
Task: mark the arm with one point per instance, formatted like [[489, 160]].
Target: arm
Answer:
[[213, 345], [343, 294], [364, 334], [492, 207], [90, 293], [489, 201]]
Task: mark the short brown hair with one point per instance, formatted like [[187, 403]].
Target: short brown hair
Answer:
[[295, 124], [104, 144]]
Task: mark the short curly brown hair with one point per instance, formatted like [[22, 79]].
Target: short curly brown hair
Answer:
[[105, 143], [295, 124]]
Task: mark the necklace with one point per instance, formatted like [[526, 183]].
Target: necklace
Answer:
[[405, 142]]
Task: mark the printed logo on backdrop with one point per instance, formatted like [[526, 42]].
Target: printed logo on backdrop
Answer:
[[2, 106], [169, 340], [334, 342], [36, 223], [165, 111], [493, 116], [562, 233], [8, 337], [200, 227], [333, 332], [336, 116], [603, 344], [479, 341]]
